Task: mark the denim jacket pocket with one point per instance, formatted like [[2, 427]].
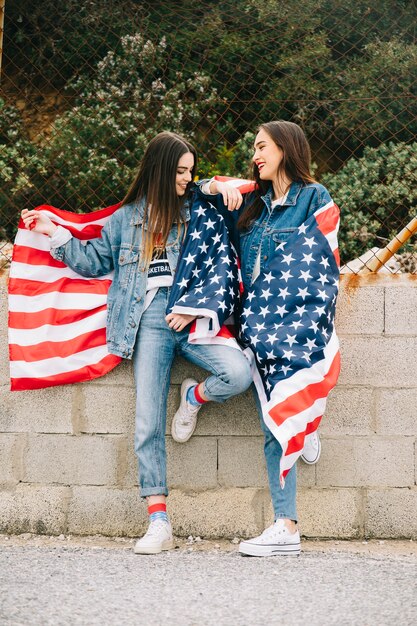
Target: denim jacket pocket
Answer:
[[283, 234], [128, 264]]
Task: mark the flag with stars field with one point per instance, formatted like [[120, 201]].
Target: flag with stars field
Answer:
[[287, 326], [207, 282]]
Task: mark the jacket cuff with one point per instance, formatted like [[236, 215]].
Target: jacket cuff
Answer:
[[204, 186], [60, 237]]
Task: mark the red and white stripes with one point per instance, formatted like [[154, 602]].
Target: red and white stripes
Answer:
[[57, 318]]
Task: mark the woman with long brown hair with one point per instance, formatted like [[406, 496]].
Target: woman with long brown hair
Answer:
[[261, 225], [141, 244]]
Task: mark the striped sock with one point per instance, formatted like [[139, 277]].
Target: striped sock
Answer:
[[158, 511], [194, 397]]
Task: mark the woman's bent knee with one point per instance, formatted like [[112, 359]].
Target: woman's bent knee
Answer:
[[240, 377]]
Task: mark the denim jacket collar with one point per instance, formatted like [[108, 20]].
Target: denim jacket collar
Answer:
[[291, 199], [139, 209]]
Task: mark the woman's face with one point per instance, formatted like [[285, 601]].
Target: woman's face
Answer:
[[267, 156], [184, 173]]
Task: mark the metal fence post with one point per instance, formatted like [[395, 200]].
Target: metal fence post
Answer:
[[2, 8]]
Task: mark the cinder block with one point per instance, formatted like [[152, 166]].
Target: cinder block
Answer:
[[379, 361], [72, 460], [131, 477], [400, 310], [396, 411], [111, 512], [391, 513], [242, 462], [218, 513], [306, 474], [34, 509], [122, 374], [11, 450], [107, 409], [192, 465], [236, 416], [360, 310], [349, 411], [332, 513], [38, 411], [367, 461]]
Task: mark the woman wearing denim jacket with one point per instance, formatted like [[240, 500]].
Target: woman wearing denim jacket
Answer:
[[285, 197], [141, 243]]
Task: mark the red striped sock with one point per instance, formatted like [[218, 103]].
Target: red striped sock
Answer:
[[198, 396], [154, 508], [158, 511]]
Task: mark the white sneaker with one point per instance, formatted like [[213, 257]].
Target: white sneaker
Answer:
[[312, 448], [275, 540], [185, 419], [158, 537]]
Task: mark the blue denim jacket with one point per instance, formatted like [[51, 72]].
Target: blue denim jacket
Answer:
[[273, 225], [118, 250]]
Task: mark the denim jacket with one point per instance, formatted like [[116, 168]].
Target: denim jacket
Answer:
[[273, 225], [118, 251]]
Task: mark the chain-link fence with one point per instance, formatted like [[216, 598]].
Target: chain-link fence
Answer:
[[85, 85]]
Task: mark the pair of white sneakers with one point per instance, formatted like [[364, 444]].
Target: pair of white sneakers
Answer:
[[275, 540]]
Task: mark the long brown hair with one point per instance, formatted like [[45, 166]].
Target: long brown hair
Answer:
[[155, 182], [295, 164]]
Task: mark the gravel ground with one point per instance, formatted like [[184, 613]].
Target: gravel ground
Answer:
[[100, 581]]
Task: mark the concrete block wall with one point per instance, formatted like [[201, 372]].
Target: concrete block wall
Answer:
[[67, 463]]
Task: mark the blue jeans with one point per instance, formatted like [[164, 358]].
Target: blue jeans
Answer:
[[155, 349], [283, 500]]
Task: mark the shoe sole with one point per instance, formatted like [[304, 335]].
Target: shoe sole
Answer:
[[248, 549], [167, 545], [316, 459], [185, 383]]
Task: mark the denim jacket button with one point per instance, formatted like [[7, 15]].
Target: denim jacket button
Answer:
[[132, 323]]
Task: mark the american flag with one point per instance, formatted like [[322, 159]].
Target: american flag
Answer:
[[287, 324], [208, 280], [57, 318], [286, 318]]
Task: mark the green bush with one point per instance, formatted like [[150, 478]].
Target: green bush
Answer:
[[377, 195], [89, 159], [230, 161], [56, 40], [17, 156]]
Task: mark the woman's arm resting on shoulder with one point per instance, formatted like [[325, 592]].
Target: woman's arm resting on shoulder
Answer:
[[232, 197]]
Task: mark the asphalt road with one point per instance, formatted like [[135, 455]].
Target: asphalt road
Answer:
[[62, 584]]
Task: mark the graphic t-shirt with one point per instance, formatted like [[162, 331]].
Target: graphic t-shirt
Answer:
[[159, 275]]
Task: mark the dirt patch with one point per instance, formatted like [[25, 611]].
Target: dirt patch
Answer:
[[375, 547]]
